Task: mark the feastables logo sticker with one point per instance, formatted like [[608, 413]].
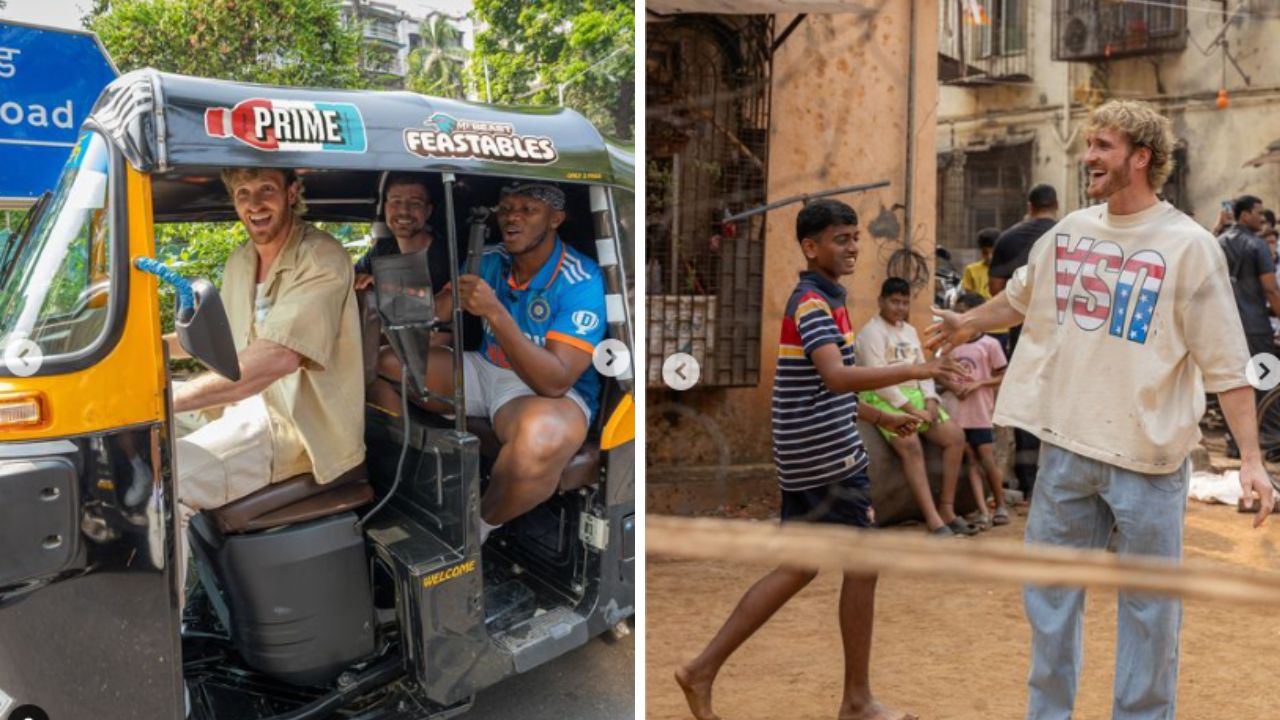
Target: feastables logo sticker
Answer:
[[290, 125], [446, 137]]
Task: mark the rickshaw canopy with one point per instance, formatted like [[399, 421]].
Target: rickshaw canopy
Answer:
[[162, 122]]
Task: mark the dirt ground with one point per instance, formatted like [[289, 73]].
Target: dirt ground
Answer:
[[951, 650]]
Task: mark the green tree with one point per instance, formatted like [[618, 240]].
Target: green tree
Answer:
[[278, 42], [534, 48], [436, 68]]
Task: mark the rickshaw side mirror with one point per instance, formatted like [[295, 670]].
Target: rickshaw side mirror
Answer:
[[205, 333]]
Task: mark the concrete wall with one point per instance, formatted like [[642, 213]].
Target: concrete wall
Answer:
[[839, 117], [1184, 84]]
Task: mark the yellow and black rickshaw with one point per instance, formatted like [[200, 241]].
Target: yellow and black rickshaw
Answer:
[[307, 605]]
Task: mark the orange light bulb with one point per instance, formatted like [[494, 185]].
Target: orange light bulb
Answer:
[[1223, 101]]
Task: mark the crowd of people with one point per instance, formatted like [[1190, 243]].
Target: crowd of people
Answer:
[[1246, 232], [1116, 319]]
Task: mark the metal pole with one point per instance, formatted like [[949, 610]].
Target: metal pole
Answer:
[[805, 198], [609, 250], [674, 271], [459, 394], [488, 96], [907, 213]]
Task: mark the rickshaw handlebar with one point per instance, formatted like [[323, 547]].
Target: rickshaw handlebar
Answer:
[[186, 296]]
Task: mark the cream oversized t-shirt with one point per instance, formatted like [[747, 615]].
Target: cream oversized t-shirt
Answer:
[[1130, 319]]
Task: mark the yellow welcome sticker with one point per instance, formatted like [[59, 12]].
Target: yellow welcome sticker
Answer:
[[440, 576]]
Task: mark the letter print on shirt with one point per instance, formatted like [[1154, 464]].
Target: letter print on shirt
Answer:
[[1096, 265]]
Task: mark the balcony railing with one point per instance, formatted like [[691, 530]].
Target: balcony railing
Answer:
[[984, 42], [1092, 30], [389, 66], [378, 31]]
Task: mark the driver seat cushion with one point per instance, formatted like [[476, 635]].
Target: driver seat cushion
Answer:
[[582, 471], [294, 500]]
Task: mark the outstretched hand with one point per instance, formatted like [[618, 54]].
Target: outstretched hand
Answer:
[[946, 369], [949, 333]]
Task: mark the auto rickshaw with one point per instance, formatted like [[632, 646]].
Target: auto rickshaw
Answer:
[[368, 597]]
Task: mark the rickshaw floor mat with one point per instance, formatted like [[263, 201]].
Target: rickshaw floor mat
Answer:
[[501, 567], [507, 603]]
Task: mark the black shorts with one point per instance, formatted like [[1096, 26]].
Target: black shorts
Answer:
[[979, 436], [844, 503]]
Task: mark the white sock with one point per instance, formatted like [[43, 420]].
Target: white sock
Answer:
[[485, 529]]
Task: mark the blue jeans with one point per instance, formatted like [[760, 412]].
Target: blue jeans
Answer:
[[1078, 502]]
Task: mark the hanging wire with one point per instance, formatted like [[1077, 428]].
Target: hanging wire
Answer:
[[1170, 4], [911, 266]]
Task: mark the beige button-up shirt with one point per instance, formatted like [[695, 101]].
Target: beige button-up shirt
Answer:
[[307, 305]]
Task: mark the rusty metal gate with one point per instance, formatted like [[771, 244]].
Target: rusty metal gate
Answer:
[[707, 130]]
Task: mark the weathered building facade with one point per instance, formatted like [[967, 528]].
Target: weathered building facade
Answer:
[[745, 110], [1019, 78]]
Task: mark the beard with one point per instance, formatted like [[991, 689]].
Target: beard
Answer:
[[1113, 182], [406, 231]]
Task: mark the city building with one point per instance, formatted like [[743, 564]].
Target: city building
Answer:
[[1019, 78], [391, 33], [750, 109]]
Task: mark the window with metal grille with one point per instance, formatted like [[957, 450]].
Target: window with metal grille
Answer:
[[978, 190], [983, 41], [1175, 188], [1006, 27], [1090, 30], [707, 125]]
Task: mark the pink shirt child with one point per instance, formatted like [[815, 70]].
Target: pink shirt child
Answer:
[[982, 358]]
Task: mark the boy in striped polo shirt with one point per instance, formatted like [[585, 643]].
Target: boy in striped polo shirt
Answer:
[[822, 465]]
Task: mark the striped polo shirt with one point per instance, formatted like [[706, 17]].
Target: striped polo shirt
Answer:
[[815, 430]]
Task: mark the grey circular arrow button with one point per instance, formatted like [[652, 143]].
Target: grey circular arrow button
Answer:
[[1263, 371], [680, 371], [612, 358], [23, 357]]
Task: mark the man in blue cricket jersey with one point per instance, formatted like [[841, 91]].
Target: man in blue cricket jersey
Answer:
[[543, 309]]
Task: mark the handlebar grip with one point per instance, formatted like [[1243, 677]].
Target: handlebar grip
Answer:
[[474, 248], [479, 232]]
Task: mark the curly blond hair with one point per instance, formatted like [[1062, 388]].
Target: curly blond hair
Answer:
[[1144, 127], [231, 177]]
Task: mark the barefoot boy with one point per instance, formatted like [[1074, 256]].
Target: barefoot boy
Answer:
[[822, 465]]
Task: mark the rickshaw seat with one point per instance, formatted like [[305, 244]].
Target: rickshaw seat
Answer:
[[295, 500], [582, 471]]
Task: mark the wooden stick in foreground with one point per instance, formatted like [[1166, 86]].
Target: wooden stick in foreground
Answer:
[[853, 550]]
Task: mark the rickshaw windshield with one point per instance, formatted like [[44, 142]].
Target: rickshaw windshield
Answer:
[[55, 287]]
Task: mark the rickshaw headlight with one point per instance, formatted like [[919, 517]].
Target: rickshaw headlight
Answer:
[[22, 410]]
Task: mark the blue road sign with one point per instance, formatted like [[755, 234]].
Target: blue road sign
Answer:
[[49, 80]]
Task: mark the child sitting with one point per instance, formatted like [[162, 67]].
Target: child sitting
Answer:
[[888, 341]]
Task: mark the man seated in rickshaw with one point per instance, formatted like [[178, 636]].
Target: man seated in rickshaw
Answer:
[[407, 208], [543, 310], [297, 407]]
